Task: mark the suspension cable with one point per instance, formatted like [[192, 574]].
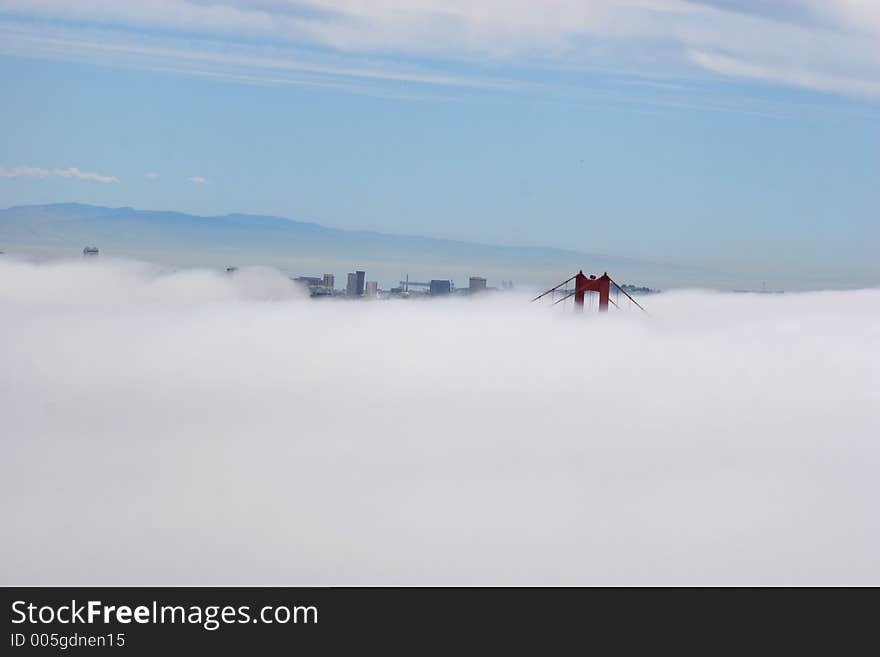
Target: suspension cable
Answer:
[[629, 297], [570, 294], [555, 287]]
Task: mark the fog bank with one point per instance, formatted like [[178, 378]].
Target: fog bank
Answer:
[[197, 428]]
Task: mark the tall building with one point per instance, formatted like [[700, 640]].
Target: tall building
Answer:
[[439, 288], [351, 285], [329, 281], [372, 290], [477, 284], [360, 283], [308, 281]]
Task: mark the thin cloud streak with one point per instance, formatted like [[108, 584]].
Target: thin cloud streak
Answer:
[[732, 67], [69, 172], [67, 43], [803, 43], [251, 65]]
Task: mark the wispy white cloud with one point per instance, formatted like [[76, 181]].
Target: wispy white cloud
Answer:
[[227, 59], [70, 172], [803, 43], [730, 66], [198, 180], [152, 175]]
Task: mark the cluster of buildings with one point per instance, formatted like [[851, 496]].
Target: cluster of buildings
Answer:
[[357, 287]]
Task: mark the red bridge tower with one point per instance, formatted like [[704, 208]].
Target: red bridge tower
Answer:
[[584, 284]]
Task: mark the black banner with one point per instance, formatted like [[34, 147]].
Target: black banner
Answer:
[[136, 621]]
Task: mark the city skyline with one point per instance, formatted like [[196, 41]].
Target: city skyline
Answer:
[[51, 232]]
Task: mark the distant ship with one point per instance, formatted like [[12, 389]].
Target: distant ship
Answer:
[[90, 251]]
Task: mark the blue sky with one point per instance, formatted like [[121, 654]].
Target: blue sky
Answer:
[[695, 132]]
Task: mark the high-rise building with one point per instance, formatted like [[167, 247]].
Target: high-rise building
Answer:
[[360, 283], [477, 284], [439, 288], [329, 281], [351, 285], [308, 280], [372, 290]]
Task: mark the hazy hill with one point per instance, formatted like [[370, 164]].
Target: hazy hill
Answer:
[[62, 230]]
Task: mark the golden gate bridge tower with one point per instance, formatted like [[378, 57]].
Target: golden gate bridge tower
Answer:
[[584, 284]]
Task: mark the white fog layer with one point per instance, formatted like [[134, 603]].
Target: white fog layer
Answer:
[[197, 428]]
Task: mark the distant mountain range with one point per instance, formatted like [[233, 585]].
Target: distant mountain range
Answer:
[[63, 229]]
